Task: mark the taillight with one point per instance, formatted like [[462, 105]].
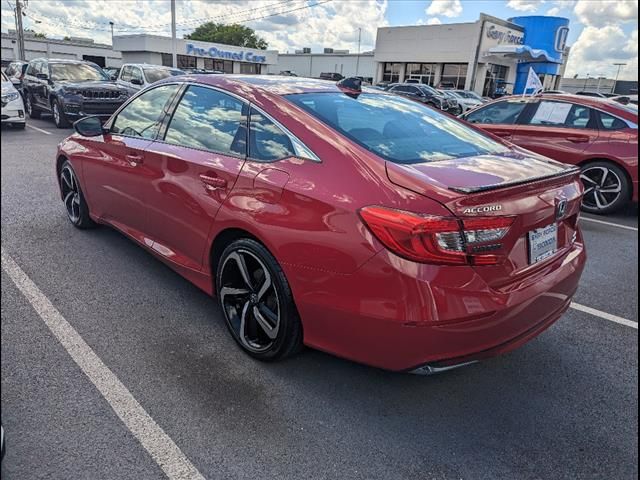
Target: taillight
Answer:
[[438, 240]]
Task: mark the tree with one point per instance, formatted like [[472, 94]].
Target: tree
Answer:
[[35, 34], [235, 34]]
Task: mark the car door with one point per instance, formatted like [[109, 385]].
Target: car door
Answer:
[[499, 118], [194, 166], [558, 129], [118, 179], [39, 85]]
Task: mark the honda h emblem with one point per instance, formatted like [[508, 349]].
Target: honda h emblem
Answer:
[[561, 208]]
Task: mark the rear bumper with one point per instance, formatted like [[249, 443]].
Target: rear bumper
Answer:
[[399, 315]]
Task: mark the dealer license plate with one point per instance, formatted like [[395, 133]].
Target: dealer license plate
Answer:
[[543, 242]]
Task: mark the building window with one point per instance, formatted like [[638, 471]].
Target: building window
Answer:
[[186, 61], [496, 76], [208, 63], [391, 72], [423, 72], [167, 60], [225, 66], [252, 68], [454, 75]]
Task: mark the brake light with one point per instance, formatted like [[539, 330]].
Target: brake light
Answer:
[[438, 240]]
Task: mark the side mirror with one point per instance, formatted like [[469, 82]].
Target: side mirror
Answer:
[[136, 81], [42, 76], [89, 126]]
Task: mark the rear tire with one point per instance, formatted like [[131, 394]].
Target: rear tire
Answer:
[[257, 302], [606, 187], [31, 109], [73, 198]]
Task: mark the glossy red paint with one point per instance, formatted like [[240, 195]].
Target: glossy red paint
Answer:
[[356, 298], [577, 146]]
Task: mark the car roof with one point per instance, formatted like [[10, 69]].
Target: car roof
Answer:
[[147, 65], [245, 85], [63, 60]]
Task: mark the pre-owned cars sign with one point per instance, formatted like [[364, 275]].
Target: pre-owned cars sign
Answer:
[[241, 56]]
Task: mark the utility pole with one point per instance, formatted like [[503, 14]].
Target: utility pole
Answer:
[[615, 83], [585, 82], [174, 54], [358, 57], [19, 29]]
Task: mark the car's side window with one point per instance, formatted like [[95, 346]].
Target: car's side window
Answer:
[[136, 74], [126, 74], [31, 69], [561, 114], [500, 113], [267, 141], [609, 122], [143, 116], [208, 119]]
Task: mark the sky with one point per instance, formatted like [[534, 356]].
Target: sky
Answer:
[[602, 32]]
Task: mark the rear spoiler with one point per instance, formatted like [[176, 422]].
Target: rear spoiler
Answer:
[[485, 188]]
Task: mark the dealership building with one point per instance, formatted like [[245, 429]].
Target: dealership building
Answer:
[[475, 56], [157, 50]]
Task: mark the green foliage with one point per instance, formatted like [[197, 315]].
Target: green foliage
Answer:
[[235, 34]]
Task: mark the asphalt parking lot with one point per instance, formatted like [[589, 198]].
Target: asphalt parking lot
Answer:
[[563, 406]]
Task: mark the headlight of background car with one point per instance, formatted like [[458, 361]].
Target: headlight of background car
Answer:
[[10, 97]]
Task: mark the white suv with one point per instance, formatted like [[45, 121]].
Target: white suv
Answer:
[[137, 76]]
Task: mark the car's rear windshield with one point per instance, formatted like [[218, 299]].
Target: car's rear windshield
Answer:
[[397, 129], [75, 72], [155, 74]]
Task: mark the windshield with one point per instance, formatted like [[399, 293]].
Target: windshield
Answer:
[[397, 129], [465, 94], [75, 72], [155, 74]]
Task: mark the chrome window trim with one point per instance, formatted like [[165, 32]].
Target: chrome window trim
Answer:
[[300, 149]]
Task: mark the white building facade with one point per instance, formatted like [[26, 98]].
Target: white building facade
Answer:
[[313, 64], [157, 50], [73, 49]]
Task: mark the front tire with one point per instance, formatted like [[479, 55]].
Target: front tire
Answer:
[[31, 109], [59, 118], [73, 198], [606, 187], [257, 302]]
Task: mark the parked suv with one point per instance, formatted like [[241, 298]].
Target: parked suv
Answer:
[[331, 76], [70, 89], [137, 76], [422, 93]]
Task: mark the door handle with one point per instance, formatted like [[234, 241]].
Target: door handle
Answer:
[[578, 139], [212, 183], [134, 158]]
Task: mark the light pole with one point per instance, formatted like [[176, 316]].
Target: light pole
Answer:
[[111, 25], [615, 83], [358, 57], [585, 82], [174, 54]]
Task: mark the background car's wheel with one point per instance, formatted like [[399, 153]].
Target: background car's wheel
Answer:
[[606, 187], [59, 117], [74, 202], [32, 111], [257, 302]]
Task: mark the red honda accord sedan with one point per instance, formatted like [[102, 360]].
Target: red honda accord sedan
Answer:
[[599, 135], [350, 220]]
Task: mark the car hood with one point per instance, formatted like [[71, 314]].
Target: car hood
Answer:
[[92, 85], [7, 87], [452, 177]]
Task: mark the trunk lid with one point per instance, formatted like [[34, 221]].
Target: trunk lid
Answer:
[[535, 191]]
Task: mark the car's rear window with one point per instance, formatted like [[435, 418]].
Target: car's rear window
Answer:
[[397, 129]]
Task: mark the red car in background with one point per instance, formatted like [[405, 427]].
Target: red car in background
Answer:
[[599, 135], [351, 220]]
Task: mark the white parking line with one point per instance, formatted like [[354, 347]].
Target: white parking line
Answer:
[[163, 450], [39, 129], [605, 315], [611, 224]]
